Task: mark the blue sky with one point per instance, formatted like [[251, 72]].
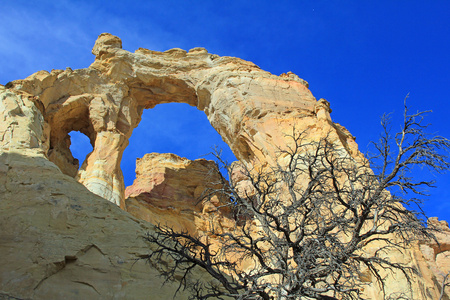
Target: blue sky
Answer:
[[363, 57]]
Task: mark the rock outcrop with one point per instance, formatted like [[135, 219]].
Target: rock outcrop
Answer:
[[58, 240], [433, 258], [179, 193], [62, 239], [251, 109]]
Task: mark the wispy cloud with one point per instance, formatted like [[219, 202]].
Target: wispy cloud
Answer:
[[58, 34]]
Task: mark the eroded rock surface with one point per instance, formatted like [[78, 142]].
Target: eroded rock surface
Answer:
[[436, 254], [60, 240], [179, 193], [251, 109]]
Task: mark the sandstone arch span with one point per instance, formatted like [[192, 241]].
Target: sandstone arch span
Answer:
[[250, 108]]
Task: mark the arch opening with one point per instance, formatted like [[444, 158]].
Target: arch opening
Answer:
[[176, 128], [80, 146]]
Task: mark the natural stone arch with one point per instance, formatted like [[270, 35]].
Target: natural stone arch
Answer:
[[251, 109], [69, 114]]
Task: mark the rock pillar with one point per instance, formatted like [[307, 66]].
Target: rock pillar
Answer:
[[101, 172]]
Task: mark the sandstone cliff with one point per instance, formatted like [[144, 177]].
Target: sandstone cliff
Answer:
[[62, 239]]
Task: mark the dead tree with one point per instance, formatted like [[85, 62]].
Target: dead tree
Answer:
[[311, 218]]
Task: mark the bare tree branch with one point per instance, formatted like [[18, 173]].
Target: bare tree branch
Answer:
[[306, 224], [445, 283]]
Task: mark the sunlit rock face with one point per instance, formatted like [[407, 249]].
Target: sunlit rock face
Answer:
[[58, 240], [177, 192], [436, 254], [62, 239], [251, 109]]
